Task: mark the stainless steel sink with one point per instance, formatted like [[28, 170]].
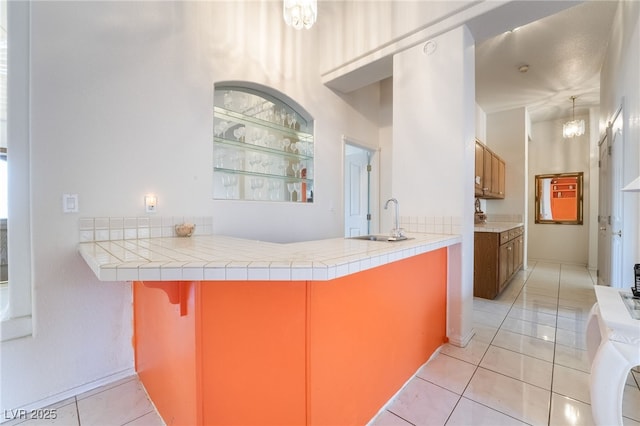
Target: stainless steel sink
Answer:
[[385, 238]]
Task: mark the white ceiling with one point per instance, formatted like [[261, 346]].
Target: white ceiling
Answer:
[[564, 51]]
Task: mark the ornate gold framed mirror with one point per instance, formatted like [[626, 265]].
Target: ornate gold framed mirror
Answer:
[[558, 198]]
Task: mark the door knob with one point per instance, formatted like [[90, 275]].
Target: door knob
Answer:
[[603, 228]]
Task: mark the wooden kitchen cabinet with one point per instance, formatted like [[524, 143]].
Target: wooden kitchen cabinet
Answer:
[[488, 176], [489, 173], [498, 176], [498, 256], [479, 169]]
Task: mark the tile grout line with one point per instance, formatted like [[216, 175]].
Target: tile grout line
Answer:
[[555, 342], [400, 417], [75, 401]]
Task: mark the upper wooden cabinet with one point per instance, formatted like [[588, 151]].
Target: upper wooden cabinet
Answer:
[[490, 173], [479, 169]]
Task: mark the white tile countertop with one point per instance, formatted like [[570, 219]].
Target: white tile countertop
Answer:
[[216, 257], [496, 226]]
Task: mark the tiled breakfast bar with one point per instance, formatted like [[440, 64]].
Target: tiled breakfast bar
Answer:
[[236, 331]]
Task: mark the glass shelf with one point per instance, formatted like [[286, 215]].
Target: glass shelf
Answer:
[[239, 118], [231, 184], [263, 175], [263, 147]]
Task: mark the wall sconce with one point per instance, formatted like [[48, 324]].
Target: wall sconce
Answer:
[[150, 203]]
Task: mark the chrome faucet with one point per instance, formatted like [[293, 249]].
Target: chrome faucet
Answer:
[[396, 232]]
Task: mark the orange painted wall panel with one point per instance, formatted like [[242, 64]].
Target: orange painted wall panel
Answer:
[[564, 208], [287, 352], [369, 332], [165, 345], [253, 353]]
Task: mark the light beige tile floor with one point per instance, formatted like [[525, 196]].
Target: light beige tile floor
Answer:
[[120, 403], [526, 365]]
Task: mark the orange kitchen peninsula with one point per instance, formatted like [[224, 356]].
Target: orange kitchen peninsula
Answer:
[[231, 331]]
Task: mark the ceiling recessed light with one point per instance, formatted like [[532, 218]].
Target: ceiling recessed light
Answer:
[[523, 68]]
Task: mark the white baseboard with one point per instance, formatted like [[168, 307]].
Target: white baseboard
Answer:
[[45, 402], [462, 341]]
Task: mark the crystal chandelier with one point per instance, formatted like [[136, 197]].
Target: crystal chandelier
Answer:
[[300, 13], [574, 127]]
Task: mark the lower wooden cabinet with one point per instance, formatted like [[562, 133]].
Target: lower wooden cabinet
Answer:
[[498, 256]]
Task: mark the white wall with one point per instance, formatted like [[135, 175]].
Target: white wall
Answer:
[[549, 152], [385, 139], [481, 124], [121, 104], [507, 137], [434, 146], [618, 81], [594, 178]]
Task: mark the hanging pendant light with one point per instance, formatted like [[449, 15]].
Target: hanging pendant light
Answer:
[[574, 127], [300, 13]]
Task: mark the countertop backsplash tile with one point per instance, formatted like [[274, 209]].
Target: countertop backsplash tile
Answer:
[[445, 225], [130, 228]]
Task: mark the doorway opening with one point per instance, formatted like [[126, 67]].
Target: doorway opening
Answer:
[[361, 201]]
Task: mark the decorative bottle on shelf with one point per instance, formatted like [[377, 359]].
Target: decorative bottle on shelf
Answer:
[[303, 191]]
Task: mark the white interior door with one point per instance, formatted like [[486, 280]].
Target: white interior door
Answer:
[[357, 191], [604, 246], [610, 206], [616, 231]]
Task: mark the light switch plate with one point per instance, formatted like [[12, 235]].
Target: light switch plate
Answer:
[[70, 203]]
